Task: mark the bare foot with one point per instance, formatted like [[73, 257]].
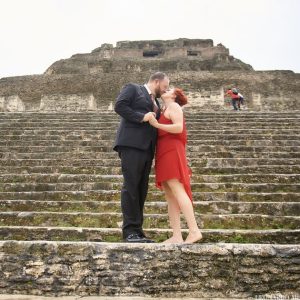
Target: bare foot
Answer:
[[173, 240], [193, 237]]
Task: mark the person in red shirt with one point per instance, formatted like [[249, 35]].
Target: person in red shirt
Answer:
[[234, 95]]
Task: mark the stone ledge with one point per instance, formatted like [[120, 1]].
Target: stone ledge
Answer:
[[105, 269], [211, 248], [248, 236], [29, 297]]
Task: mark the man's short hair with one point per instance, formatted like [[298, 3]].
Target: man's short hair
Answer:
[[158, 76]]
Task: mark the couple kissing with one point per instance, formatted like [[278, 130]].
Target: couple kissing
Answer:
[[147, 131]]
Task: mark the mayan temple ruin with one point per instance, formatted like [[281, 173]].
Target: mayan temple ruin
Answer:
[[60, 214]]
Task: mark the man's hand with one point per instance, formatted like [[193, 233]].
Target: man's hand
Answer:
[[153, 122], [148, 115]]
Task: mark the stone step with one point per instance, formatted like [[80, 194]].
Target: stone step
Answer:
[[101, 111], [113, 195], [108, 134], [35, 233], [193, 135], [256, 169], [204, 207], [191, 150], [105, 195], [194, 162], [70, 148], [107, 147], [105, 170], [113, 220], [80, 154], [218, 125], [241, 143], [238, 149], [195, 113], [94, 178], [113, 117], [92, 129], [240, 162], [105, 185], [196, 140], [240, 154], [111, 114], [10, 129], [191, 142], [214, 124], [106, 128], [189, 114]]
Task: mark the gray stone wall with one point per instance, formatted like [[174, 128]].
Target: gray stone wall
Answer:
[[205, 270], [63, 103], [274, 90], [172, 62], [175, 52], [154, 44], [208, 53]]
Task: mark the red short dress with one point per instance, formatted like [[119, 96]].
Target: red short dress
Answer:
[[170, 157]]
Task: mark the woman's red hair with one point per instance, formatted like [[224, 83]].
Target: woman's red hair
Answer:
[[181, 98]]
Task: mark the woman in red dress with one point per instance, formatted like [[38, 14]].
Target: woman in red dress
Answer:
[[171, 169]]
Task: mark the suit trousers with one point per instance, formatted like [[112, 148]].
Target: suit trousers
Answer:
[[136, 167]]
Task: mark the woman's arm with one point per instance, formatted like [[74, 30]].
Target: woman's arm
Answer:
[[176, 116]]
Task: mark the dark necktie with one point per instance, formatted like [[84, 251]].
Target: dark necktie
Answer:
[[155, 107]]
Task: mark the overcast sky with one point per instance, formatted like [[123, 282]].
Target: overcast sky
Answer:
[[36, 33]]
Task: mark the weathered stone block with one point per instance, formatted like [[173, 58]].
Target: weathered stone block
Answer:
[[64, 103], [11, 103], [149, 269]]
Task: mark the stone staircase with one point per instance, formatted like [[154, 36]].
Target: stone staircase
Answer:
[[60, 185]]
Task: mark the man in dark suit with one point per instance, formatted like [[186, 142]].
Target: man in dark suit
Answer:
[[135, 143]]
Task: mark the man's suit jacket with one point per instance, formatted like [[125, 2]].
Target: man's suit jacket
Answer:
[[132, 104]]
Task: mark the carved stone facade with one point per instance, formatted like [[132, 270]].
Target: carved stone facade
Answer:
[[180, 54], [200, 49]]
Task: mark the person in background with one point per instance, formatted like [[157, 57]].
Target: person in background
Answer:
[[241, 100], [233, 94]]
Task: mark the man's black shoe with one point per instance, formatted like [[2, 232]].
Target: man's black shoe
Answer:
[[135, 238], [148, 240]]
